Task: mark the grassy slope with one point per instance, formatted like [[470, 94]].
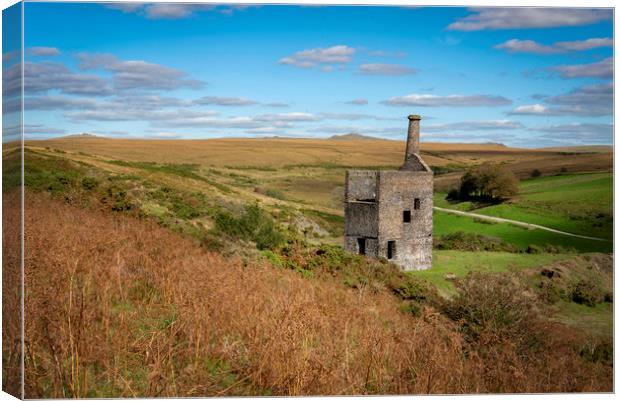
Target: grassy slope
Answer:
[[576, 203], [314, 191], [460, 263]]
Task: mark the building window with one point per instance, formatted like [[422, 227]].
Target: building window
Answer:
[[391, 249], [406, 216], [361, 246], [416, 203]]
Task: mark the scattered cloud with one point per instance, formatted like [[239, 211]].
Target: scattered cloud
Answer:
[[531, 109], [587, 100], [46, 76], [602, 69], [426, 100], [225, 101], [475, 126], [353, 129], [587, 44], [118, 113], [310, 58], [386, 69], [30, 129], [287, 117], [137, 74], [357, 102], [175, 10], [10, 55], [578, 132], [353, 116], [527, 46], [276, 104], [528, 17], [41, 51], [530, 46]]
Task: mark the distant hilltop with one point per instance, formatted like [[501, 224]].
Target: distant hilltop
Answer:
[[355, 137], [82, 135]]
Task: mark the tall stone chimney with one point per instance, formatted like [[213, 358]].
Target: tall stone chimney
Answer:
[[413, 142]]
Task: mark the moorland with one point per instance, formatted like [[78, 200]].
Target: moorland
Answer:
[[215, 267]]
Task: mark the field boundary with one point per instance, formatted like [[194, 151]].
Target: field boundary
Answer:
[[516, 223]]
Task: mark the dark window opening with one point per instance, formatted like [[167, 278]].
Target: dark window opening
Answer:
[[361, 246], [366, 200], [406, 216], [391, 249], [416, 203]]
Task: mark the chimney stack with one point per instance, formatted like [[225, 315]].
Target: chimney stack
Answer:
[[413, 137]]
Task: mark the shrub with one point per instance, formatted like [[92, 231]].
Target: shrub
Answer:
[[453, 194], [587, 293], [492, 305], [253, 225], [533, 249], [89, 183], [462, 241], [117, 199]]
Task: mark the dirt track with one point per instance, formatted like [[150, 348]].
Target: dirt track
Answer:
[[515, 223]]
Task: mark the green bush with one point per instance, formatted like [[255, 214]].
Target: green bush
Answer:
[[253, 225], [89, 183], [533, 249], [463, 241], [117, 199], [585, 292], [492, 306]]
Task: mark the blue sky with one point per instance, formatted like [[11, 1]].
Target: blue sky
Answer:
[[523, 77]]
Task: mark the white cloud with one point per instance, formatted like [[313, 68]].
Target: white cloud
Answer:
[[46, 76], [475, 126], [587, 100], [309, 58], [276, 104], [602, 69], [225, 101], [528, 17], [530, 109], [530, 46], [578, 132], [426, 100], [586, 44], [175, 10], [357, 102], [138, 74], [386, 69], [41, 51], [527, 46]]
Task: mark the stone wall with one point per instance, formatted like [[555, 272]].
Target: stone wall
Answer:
[[397, 193], [360, 185], [361, 219]]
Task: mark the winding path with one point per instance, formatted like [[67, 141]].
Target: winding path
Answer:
[[515, 223]]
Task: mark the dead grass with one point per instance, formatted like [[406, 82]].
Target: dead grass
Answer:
[[117, 307], [244, 152], [11, 287]]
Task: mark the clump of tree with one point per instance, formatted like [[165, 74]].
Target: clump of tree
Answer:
[[486, 182]]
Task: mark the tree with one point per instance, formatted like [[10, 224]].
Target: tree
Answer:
[[488, 181]]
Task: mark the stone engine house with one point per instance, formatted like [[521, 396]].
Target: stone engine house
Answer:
[[389, 214]]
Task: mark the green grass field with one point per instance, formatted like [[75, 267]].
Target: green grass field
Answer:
[[460, 263], [576, 203]]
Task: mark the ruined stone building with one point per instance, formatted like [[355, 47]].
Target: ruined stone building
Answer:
[[389, 214]]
